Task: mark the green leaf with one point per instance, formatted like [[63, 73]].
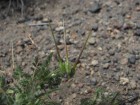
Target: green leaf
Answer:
[[1, 90], [62, 67], [9, 91], [18, 73]]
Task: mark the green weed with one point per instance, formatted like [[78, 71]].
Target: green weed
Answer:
[[30, 89], [100, 98], [65, 67]]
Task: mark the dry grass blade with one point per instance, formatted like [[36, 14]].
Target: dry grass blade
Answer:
[[58, 53], [22, 7], [30, 37], [82, 50], [16, 3], [66, 48]]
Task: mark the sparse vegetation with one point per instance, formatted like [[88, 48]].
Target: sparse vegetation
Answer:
[[30, 89], [15, 5], [65, 67], [35, 88], [100, 97]]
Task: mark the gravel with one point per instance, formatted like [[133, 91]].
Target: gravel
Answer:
[[111, 59]]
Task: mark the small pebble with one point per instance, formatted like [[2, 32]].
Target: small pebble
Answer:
[[61, 28], [137, 32], [74, 95], [124, 80], [133, 84], [94, 62], [95, 8], [124, 61], [132, 59], [92, 41], [106, 65], [95, 27], [93, 81]]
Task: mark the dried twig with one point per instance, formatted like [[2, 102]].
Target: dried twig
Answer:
[[29, 36]]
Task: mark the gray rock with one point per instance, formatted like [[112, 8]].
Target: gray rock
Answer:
[[137, 57], [93, 81], [58, 41], [87, 73], [94, 63], [111, 52], [132, 59], [127, 26], [106, 66], [92, 41], [81, 32], [22, 20], [138, 25], [3, 53], [133, 84], [115, 60], [132, 97], [95, 27], [96, 7], [26, 42], [117, 76], [74, 95], [68, 41], [137, 32]]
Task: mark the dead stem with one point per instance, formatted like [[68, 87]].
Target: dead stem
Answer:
[[9, 6], [52, 33], [29, 36], [66, 48], [17, 3], [77, 60], [22, 7]]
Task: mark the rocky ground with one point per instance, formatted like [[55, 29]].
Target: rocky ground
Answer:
[[111, 59]]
